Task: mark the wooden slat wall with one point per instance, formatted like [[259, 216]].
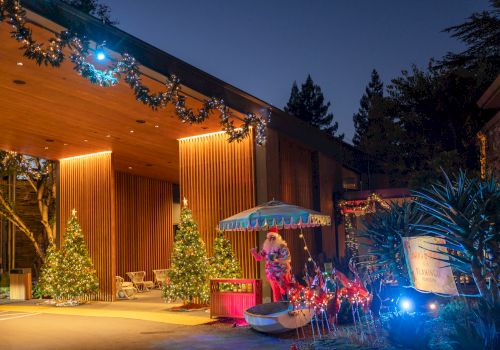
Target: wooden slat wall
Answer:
[[289, 179], [144, 228], [87, 184], [330, 173], [295, 172], [217, 178]]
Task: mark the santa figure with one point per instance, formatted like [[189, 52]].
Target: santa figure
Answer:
[[278, 269]]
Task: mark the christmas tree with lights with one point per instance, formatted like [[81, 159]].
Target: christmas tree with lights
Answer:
[[190, 270], [68, 274], [223, 263]]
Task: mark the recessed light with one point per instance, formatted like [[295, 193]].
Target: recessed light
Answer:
[[18, 82], [49, 140], [149, 164], [157, 126], [65, 144], [108, 135], [140, 121], [46, 147], [131, 131], [19, 63], [85, 140], [129, 168]]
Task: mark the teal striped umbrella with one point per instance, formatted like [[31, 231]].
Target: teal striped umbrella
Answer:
[[274, 213]]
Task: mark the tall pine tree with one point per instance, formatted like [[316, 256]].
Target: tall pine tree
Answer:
[[374, 90], [308, 104], [190, 270]]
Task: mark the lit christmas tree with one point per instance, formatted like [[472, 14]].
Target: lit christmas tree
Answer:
[[190, 270], [224, 264], [69, 273], [47, 282]]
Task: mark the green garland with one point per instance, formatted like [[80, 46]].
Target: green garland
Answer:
[[126, 68]]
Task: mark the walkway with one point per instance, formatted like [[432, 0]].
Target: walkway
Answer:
[[147, 307]]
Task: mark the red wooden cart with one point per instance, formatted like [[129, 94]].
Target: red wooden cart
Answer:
[[231, 297]]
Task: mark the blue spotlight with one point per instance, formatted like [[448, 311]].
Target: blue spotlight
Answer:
[[101, 55], [406, 305]]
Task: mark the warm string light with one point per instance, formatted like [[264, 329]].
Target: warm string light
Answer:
[[127, 68], [482, 153]]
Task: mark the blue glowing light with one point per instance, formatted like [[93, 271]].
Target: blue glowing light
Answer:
[[406, 305], [101, 56]]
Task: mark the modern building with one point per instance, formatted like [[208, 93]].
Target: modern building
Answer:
[[124, 166]]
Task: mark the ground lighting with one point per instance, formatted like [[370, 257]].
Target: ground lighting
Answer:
[[406, 305]]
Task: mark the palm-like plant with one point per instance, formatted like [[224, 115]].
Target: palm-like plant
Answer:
[[466, 214], [383, 235]]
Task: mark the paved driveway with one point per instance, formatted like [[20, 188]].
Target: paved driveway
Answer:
[[22, 330]]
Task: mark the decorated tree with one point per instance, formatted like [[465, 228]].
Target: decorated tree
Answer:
[[68, 274], [224, 264], [190, 270]]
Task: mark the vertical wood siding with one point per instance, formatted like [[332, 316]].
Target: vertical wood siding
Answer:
[[217, 178], [296, 187], [144, 228], [330, 173], [87, 185]]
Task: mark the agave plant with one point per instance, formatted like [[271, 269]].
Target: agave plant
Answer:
[[466, 216], [383, 238]]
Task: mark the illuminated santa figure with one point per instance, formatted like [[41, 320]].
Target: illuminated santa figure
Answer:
[[278, 269]]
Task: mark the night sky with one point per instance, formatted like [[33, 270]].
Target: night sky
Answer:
[[262, 46]]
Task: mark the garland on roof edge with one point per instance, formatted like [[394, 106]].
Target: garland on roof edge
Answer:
[[127, 69]]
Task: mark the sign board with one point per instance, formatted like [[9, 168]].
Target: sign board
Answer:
[[428, 274]]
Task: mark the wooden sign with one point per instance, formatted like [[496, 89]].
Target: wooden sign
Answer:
[[427, 273]]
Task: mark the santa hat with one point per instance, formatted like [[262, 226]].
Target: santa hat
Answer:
[[273, 229]]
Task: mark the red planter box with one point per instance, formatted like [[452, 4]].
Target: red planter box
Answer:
[[230, 297]]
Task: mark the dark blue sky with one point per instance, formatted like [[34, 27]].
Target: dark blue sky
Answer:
[[262, 46]]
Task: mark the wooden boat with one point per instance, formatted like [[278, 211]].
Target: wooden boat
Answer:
[[277, 317]]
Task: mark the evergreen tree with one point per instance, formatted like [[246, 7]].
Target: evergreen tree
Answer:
[[47, 282], [223, 263], [374, 90], [308, 104], [92, 7], [190, 271], [69, 273]]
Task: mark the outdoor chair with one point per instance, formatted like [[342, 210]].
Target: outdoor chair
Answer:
[[160, 278], [124, 290], [137, 278]]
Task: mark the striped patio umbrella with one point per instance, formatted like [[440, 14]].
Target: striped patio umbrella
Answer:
[[274, 213]]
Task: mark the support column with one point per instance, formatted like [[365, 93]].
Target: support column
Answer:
[[87, 185]]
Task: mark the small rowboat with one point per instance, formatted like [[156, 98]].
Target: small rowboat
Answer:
[[277, 317]]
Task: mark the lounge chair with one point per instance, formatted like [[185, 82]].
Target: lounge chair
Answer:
[[124, 290], [137, 278], [160, 277]]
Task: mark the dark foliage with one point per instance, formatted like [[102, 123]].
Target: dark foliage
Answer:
[[94, 8], [308, 104]]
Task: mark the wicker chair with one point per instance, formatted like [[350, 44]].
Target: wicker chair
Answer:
[[124, 290], [137, 278], [160, 277]]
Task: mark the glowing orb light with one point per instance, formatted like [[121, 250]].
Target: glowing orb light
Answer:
[[101, 56], [406, 305]]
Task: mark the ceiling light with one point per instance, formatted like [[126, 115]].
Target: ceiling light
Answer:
[[129, 168], [85, 140], [157, 126], [19, 63], [46, 147], [108, 135], [131, 131], [140, 121]]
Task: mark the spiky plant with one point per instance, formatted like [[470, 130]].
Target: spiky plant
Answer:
[[466, 214], [383, 234]]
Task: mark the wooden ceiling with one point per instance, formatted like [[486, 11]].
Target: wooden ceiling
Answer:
[[54, 113]]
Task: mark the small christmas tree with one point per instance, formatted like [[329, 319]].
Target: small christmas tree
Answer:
[[190, 270], [47, 282], [224, 264], [69, 273]]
